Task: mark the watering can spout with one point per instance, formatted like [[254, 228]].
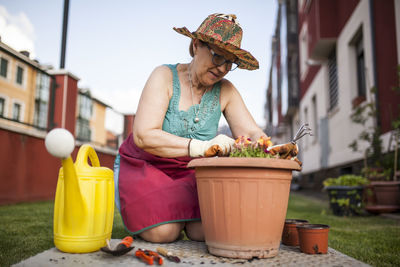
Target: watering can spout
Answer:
[[75, 208], [60, 143]]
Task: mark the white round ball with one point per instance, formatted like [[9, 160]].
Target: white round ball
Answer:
[[60, 143]]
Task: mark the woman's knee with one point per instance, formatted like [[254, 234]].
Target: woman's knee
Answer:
[[164, 233], [194, 231]]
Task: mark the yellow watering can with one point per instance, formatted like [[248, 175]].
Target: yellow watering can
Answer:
[[84, 204]]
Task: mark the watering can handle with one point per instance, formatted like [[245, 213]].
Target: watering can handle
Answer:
[[87, 151]]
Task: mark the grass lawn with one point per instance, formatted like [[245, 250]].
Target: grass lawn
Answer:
[[27, 229]]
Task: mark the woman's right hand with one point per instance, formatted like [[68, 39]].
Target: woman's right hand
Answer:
[[220, 145]]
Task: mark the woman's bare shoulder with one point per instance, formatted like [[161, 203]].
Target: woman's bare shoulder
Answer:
[[227, 88], [162, 71], [160, 79]]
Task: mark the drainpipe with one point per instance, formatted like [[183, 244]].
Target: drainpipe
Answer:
[[64, 34], [372, 19], [54, 86]]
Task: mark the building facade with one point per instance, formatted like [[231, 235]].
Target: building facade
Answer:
[[346, 48], [38, 98], [24, 90], [282, 98], [90, 120]]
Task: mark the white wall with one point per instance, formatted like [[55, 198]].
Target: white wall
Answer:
[[309, 145], [342, 131]]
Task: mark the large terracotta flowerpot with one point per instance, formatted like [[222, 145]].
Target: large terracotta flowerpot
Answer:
[[290, 236], [243, 203], [313, 238]]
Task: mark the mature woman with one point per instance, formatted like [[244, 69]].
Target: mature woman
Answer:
[[177, 119]]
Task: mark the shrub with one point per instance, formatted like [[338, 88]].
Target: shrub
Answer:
[[346, 180]]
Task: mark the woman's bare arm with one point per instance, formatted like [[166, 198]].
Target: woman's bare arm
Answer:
[[153, 104], [236, 113]]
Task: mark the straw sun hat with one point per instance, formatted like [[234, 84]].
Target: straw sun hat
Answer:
[[223, 31]]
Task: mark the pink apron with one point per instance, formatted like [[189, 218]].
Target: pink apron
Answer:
[[154, 190]]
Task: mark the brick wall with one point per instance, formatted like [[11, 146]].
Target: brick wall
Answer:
[[27, 171]]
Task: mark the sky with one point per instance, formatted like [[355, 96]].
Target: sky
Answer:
[[113, 46]]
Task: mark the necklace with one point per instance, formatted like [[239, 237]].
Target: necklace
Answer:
[[196, 111]]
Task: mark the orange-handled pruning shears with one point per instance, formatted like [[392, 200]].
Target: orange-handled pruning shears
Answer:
[[149, 256]]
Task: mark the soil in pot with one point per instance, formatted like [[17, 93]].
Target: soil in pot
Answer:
[[345, 200], [313, 238], [243, 204], [290, 236]]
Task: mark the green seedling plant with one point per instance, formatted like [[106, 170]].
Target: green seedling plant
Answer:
[[244, 147]]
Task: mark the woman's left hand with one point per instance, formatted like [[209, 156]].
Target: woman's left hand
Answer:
[[221, 145]]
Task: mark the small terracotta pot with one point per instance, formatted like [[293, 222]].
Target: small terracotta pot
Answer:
[[290, 236], [243, 203], [313, 238]]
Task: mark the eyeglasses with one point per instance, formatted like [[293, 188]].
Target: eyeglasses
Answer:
[[219, 60]]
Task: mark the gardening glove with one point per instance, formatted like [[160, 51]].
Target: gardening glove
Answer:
[[220, 145]]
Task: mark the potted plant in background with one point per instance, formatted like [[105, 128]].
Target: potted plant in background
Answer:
[[243, 198], [362, 114], [345, 194], [387, 192], [383, 193]]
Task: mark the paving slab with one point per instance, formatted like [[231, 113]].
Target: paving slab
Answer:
[[191, 253]]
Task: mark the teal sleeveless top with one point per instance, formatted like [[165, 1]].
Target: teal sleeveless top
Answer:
[[181, 123]]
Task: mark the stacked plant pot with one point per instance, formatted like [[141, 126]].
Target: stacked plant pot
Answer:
[[290, 235], [311, 238]]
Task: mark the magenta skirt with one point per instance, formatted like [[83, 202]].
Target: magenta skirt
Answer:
[[152, 190]]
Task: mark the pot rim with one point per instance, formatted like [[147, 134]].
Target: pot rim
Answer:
[[245, 162], [313, 226], [349, 187], [295, 221], [384, 183]]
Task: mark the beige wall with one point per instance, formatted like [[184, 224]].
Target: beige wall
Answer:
[[14, 93], [97, 123]]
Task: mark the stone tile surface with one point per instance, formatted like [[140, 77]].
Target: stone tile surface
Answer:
[[191, 254]]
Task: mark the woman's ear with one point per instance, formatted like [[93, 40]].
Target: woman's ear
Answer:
[[195, 45], [191, 48]]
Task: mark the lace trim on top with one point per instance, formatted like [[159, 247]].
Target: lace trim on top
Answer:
[[181, 123]]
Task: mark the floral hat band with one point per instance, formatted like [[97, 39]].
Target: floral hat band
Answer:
[[223, 31]]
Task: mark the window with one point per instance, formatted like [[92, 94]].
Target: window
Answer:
[[20, 75], [16, 112], [360, 68], [41, 100], [2, 106], [84, 115], [315, 117], [333, 81], [3, 67]]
